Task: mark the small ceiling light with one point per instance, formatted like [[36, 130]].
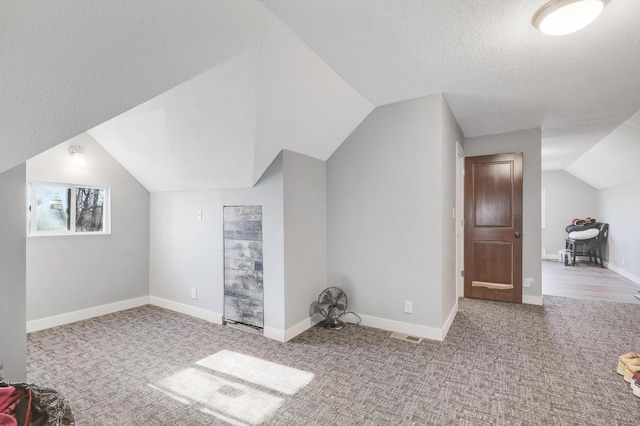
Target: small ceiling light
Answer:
[[77, 152], [560, 17]]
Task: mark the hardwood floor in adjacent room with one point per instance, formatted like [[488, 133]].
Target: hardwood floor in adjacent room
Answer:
[[587, 281]]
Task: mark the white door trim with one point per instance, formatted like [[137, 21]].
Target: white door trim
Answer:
[[459, 219]]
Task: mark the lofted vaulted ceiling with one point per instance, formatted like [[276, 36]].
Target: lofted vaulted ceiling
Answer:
[[223, 128], [204, 94], [497, 72], [67, 66]]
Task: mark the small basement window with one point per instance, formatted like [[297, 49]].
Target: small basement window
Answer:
[[68, 209]]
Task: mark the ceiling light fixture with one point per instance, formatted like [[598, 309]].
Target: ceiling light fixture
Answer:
[[77, 152], [560, 17]]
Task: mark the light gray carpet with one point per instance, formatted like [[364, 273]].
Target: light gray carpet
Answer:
[[500, 364]]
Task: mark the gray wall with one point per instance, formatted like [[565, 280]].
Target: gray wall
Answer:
[[567, 198], [529, 143], [618, 206], [305, 234], [13, 330], [385, 187], [186, 252], [451, 134], [71, 273]]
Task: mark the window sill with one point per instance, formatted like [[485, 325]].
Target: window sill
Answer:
[[77, 234]]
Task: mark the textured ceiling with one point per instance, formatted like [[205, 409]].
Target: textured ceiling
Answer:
[[497, 72], [231, 82], [185, 96], [67, 66]]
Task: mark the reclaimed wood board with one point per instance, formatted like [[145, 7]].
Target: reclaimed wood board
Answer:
[[243, 265]]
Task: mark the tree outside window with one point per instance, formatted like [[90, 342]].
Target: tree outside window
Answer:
[[89, 209]]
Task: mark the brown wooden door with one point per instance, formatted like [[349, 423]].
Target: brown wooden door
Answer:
[[493, 227]]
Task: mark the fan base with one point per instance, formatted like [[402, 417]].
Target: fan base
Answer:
[[333, 324]]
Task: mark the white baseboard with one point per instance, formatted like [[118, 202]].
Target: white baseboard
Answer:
[[302, 326], [274, 334], [268, 332], [288, 334], [96, 311], [210, 316], [449, 321], [403, 327], [620, 271], [533, 300]]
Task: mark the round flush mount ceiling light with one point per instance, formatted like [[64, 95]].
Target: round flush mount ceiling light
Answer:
[[560, 17]]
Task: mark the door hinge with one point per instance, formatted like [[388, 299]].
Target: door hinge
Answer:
[[462, 273]]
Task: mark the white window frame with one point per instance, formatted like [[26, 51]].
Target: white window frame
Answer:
[[32, 219]]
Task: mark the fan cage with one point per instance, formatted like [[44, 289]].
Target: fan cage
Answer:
[[332, 304]]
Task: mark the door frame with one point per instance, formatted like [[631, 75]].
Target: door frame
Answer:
[[459, 220]]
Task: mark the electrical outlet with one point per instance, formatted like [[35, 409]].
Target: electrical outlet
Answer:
[[527, 282], [408, 307], [199, 215], [194, 293]]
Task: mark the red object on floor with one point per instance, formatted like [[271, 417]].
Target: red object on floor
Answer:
[[9, 397], [7, 420]]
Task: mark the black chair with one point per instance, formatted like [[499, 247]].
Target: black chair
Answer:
[[592, 247]]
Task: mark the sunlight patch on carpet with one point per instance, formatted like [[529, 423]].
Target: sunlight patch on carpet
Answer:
[[233, 387], [223, 396], [267, 374]]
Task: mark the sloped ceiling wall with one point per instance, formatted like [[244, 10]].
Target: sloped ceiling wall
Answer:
[[498, 73], [203, 95], [613, 161], [223, 128], [197, 135], [68, 66], [303, 105]]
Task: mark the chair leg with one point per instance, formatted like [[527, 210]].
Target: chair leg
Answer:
[[570, 250], [600, 253]]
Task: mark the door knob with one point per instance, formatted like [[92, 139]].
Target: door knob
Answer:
[[517, 235]]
